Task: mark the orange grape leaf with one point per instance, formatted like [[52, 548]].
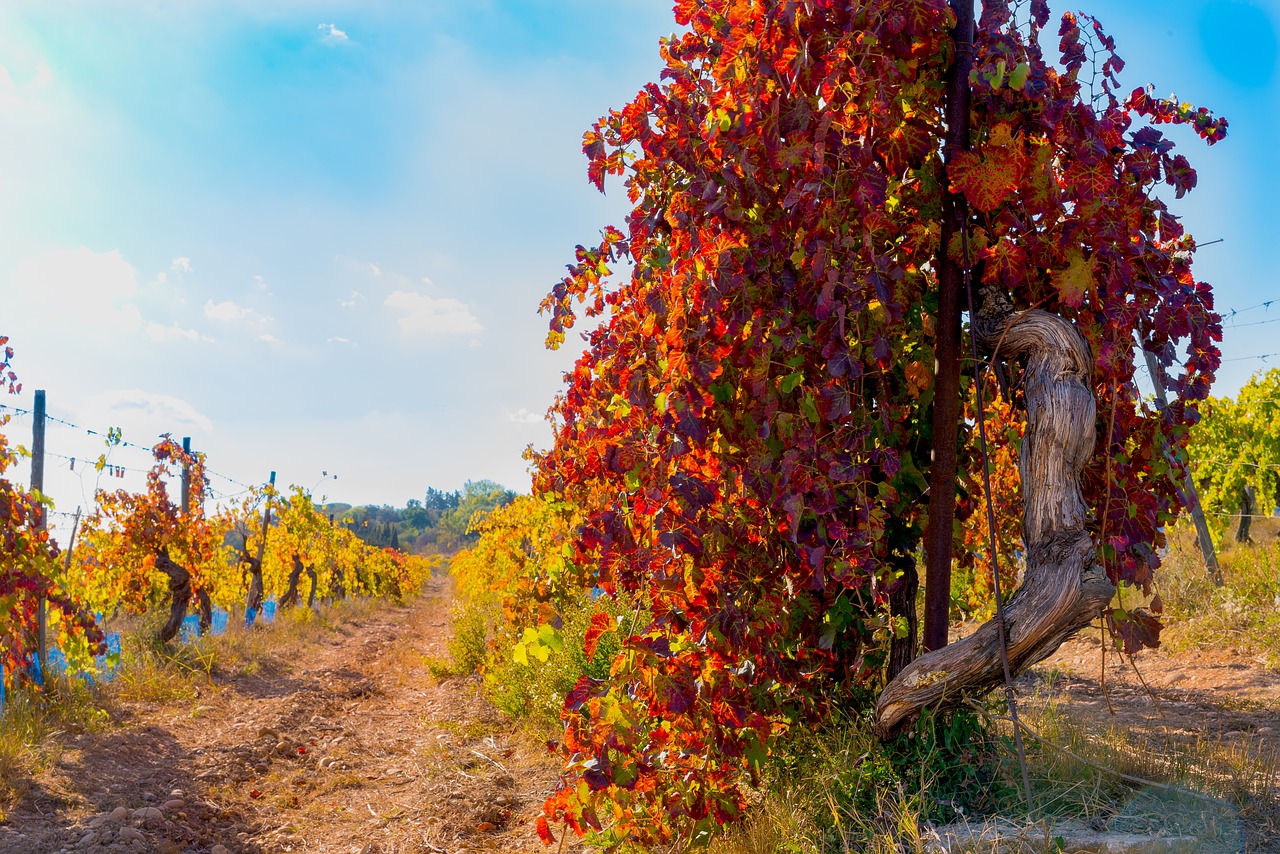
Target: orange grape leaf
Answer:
[[600, 624], [985, 183]]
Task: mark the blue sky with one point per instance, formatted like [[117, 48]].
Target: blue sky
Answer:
[[313, 235]]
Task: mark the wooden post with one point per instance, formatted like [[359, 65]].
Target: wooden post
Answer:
[[71, 543], [37, 486], [254, 600], [1188, 485], [946, 382], [266, 520], [186, 476]]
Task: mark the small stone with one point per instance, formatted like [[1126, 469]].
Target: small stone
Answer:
[[148, 814], [87, 840], [131, 834], [219, 849], [118, 814], [177, 793], [148, 796], [174, 805], [1264, 730]]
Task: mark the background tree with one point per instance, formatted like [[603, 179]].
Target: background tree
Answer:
[[455, 529], [747, 434], [1235, 453]]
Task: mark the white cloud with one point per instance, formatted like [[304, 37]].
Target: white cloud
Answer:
[[424, 314], [351, 301], [165, 334], [13, 93], [524, 416], [338, 339], [375, 269], [143, 414], [181, 265], [332, 35], [225, 312], [230, 312], [269, 338], [79, 288]]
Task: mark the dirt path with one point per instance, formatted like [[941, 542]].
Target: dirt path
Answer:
[[351, 747]]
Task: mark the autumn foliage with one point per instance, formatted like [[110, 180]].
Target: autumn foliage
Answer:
[[28, 562], [128, 532], [746, 436]]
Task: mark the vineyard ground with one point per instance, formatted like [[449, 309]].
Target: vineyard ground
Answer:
[[346, 743]]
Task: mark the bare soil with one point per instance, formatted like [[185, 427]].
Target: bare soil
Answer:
[[352, 746], [1215, 694]]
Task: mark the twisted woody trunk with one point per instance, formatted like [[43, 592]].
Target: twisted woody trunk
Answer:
[[1063, 587], [179, 593]]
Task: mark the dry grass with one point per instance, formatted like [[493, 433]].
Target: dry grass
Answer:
[[1243, 614], [30, 726]]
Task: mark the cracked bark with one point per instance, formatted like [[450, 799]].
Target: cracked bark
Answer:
[[1063, 588]]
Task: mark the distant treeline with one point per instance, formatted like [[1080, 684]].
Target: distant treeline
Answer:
[[437, 524]]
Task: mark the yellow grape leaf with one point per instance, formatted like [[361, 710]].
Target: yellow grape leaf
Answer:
[[1076, 279]]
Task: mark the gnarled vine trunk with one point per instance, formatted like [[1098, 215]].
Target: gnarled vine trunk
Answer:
[[179, 594], [290, 597], [1248, 507], [205, 607], [1063, 587], [315, 580], [253, 602]]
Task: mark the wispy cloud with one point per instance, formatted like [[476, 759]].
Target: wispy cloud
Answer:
[[332, 35], [352, 301], [174, 332], [338, 339], [181, 265], [428, 315], [147, 411]]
